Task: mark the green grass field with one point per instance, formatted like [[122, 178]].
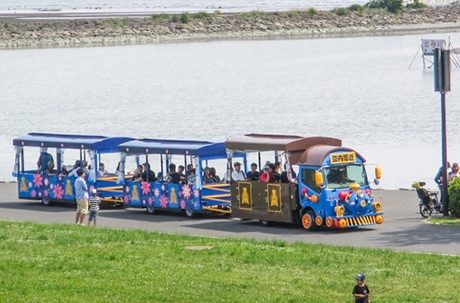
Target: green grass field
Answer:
[[67, 263]]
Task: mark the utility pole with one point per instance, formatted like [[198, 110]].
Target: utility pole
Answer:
[[442, 85]]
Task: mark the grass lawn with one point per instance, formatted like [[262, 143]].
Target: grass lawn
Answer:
[[67, 263], [444, 220]]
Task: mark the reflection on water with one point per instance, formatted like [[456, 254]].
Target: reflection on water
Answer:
[[357, 89]]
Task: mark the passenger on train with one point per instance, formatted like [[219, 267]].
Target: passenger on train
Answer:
[[267, 175], [191, 178], [173, 176], [253, 174], [189, 169], [50, 169], [101, 172], [148, 175], [138, 172], [207, 178], [285, 178], [238, 174], [276, 170], [73, 171], [213, 174], [64, 172]]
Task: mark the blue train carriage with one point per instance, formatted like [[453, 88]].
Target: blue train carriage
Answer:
[[48, 180], [330, 187], [190, 196]]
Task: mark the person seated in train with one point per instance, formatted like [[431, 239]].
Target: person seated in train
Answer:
[[253, 174], [147, 175], [276, 169], [101, 172], [191, 178], [189, 169], [73, 171], [284, 176], [267, 176], [213, 174], [50, 169], [207, 178], [138, 172], [64, 172], [173, 176], [238, 174]]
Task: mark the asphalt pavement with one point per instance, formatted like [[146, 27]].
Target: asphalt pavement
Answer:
[[403, 228]]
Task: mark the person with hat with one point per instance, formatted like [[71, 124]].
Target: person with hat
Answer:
[[361, 292], [238, 174], [267, 176], [253, 174], [147, 174]]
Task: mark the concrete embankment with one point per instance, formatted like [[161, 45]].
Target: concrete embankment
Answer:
[[16, 33]]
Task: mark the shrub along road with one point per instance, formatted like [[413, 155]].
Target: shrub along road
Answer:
[[403, 228]]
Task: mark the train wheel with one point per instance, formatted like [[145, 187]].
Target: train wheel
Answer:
[[46, 202], [189, 213], [308, 220], [150, 209]]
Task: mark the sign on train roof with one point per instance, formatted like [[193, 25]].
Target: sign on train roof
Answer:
[[99, 143], [176, 147]]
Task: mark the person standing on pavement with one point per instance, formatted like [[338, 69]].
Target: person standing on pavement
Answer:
[[81, 195]]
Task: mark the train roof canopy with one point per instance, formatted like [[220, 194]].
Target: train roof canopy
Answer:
[[295, 145], [173, 147], [98, 143]]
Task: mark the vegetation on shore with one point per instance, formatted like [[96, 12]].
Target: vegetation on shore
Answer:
[[67, 263]]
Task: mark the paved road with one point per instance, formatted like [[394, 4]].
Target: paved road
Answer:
[[403, 228]]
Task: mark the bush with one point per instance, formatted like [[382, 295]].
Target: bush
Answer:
[[416, 5], [356, 8], [393, 6], [312, 11], [184, 17], [175, 18], [202, 15], [160, 17], [454, 197], [341, 11]]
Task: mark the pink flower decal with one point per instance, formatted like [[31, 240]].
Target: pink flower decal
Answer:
[[45, 193], [163, 187], [150, 201], [163, 201], [58, 191], [196, 204], [33, 193], [46, 182], [186, 191], [51, 186], [126, 199], [38, 180], [182, 204], [145, 188], [196, 193], [156, 192]]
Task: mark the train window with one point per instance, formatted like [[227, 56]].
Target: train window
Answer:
[[308, 178]]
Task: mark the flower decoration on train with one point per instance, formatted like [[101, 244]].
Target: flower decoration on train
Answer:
[[33, 193], [145, 188], [163, 201], [182, 204], [163, 187], [29, 184], [150, 201], [127, 189], [196, 193], [46, 182], [38, 180], [126, 199], [156, 192], [45, 193], [186, 191], [58, 191]]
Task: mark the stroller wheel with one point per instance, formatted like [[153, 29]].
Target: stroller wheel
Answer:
[[425, 211]]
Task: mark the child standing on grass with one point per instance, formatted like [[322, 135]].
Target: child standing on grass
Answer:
[[361, 291], [94, 202]]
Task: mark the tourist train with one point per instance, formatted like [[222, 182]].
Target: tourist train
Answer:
[[323, 183]]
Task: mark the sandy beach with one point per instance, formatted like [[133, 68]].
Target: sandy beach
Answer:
[[99, 28]]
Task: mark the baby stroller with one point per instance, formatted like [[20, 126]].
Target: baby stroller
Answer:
[[428, 201]]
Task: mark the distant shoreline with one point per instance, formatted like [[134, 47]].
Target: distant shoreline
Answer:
[[64, 29]]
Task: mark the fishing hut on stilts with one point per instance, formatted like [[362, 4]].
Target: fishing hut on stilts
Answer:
[[427, 46]]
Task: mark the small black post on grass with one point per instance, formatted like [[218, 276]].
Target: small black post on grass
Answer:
[[442, 85]]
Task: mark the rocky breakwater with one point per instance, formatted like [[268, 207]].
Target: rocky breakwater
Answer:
[[165, 28]]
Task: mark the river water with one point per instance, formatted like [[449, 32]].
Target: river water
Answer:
[[357, 89]]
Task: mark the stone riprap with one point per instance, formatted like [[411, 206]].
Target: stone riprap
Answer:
[[112, 31]]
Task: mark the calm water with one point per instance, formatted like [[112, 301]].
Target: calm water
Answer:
[[356, 89]]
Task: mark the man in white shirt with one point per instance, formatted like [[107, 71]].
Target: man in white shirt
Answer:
[[238, 174]]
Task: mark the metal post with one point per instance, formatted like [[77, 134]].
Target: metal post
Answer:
[[445, 194]]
